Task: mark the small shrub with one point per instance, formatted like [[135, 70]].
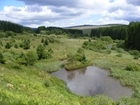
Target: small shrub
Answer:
[[1, 43], [42, 53], [133, 67], [22, 59], [8, 45], [89, 40], [108, 51], [46, 42], [134, 52], [2, 60], [42, 40], [16, 45], [31, 57], [136, 57], [26, 44], [119, 55], [114, 47]]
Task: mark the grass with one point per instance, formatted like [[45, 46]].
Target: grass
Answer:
[[32, 85]]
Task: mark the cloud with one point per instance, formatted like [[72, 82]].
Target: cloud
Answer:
[[134, 2], [72, 12], [58, 3]]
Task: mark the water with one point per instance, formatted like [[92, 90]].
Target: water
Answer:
[[92, 81]]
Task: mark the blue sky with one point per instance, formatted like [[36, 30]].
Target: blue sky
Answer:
[[10, 3], [63, 13]]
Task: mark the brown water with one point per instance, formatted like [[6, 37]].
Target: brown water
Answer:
[[92, 81]]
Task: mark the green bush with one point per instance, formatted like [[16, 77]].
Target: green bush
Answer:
[[119, 55], [22, 59], [132, 67], [136, 57], [26, 44], [1, 43], [31, 57], [106, 38], [134, 52], [8, 45], [9, 33], [16, 45], [46, 42], [42, 53], [2, 60]]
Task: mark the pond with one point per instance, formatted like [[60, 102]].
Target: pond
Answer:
[[93, 81]]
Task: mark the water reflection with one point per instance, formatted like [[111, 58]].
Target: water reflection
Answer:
[[91, 81], [70, 76]]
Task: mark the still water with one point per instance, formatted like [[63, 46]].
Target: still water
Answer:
[[92, 81]]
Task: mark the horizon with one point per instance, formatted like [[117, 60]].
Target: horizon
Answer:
[[69, 13]]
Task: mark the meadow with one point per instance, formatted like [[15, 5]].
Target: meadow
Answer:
[[31, 84]]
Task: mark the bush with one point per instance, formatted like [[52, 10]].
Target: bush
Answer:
[[1, 43], [133, 67], [107, 39], [31, 57], [119, 55], [22, 59], [16, 45], [8, 45], [26, 44], [46, 42], [136, 57], [42, 54], [134, 52], [42, 40], [9, 33], [2, 60]]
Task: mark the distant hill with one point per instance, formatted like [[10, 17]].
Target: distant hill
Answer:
[[87, 28]]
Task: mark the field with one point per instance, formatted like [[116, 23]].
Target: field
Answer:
[[23, 84]]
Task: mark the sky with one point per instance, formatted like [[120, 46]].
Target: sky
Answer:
[[64, 13]]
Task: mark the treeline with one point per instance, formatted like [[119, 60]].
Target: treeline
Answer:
[[9, 26], [132, 40], [60, 31], [117, 32]]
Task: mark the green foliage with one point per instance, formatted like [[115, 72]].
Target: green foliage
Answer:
[[50, 51], [9, 33], [132, 67], [89, 40], [2, 60], [117, 32], [31, 57], [46, 42], [80, 55], [99, 44], [2, 34], [26, 44], [132, 40], [119, 55], [128, 101], [134, 52], [42, 53], [42, 40], [136, 57], [106, 39], [22, 59], [9, 26], [120, 44], [1, 44], [8, 45], [16, 45]]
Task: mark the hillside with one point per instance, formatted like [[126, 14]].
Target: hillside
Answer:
[[87, 28]]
